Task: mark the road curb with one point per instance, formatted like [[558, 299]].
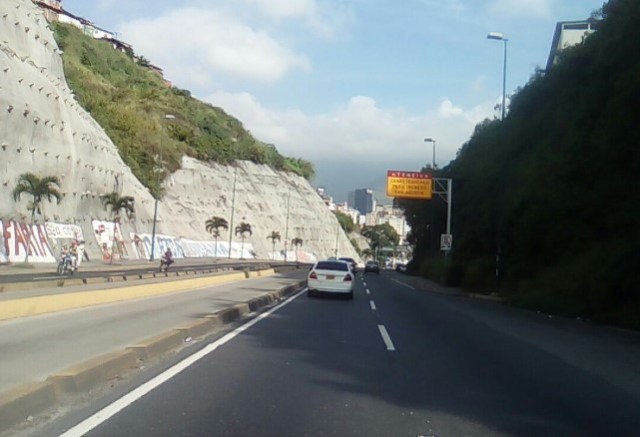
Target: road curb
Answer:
[[84, 376], [30, 399], [24, 401]]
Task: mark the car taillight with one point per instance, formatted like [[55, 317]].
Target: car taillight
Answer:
[[313, 275], [347, 278]]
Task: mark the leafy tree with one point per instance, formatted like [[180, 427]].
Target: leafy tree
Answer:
[[117, 204], [242, 229], [213, 226], [297, 243], [380, 236], [40, 189], [346, 222], [275, 235], [546, 191]]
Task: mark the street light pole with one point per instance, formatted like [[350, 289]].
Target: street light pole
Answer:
[[337, 235], [431, 140], [500, 37], [233, 206], [286, 229], [155, 207]]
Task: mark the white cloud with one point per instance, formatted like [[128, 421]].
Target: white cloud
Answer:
[[286, 8], [358, 130], [198, 45], [535, 8], [447, 109]]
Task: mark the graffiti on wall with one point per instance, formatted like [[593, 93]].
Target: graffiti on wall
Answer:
[[105, 231], [141, 246], [183, 248], [45, 241], [17, 237], [65, 234]]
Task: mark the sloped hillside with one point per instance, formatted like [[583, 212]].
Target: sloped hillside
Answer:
[[44, 131], [553, 189], [130, 101]]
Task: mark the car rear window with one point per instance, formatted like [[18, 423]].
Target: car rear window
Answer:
[[332, 265]]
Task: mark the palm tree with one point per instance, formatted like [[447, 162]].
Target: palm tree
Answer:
[[116, 203], [39, 189], [242, 229], [275, 235], [213, 226], [296, 242]]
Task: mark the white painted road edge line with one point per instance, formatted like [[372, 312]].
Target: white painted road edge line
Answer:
[[386, 338], [373, 305], [402, 283], [110, 410]]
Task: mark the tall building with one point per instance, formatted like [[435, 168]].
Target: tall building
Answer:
[[363, 200]]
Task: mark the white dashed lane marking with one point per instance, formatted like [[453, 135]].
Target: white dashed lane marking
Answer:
[[386, 338]]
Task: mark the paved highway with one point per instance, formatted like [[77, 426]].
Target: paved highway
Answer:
[[393, 362]]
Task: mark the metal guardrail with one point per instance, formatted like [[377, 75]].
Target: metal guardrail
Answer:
[[127, 273]]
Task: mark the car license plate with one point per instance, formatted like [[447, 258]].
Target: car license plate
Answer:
[[331, 276]]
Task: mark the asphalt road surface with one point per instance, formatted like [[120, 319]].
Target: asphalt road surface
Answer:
[[392, 362]]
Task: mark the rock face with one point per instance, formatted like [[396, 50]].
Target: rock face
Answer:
[[44, 131]]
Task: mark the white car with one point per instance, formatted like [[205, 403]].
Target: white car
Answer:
[[331, 276]]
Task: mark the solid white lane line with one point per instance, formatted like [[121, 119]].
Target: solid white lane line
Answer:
[[386, 338], [367, 291], [402, 283], [110, 410], [373, 305]]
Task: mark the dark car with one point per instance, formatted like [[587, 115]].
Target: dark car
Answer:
[[372, 266], [352, 262], [401, 268]]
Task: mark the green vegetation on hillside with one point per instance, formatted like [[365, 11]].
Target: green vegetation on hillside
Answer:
[[554, 187], [130, 101]]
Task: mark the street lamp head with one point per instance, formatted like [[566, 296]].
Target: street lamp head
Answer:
[[496, 35], [429, 140]]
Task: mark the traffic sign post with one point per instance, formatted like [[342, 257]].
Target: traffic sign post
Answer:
[[445, 242], [409, 185]]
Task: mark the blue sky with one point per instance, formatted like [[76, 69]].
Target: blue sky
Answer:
[[353, 86]]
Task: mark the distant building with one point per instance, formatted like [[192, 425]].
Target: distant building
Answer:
[[363, 200], [567, 34]]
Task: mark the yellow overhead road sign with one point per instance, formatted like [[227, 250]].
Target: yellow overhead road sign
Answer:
[[409, 184]]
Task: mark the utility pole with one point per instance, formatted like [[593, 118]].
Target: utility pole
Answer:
[[233, 206]]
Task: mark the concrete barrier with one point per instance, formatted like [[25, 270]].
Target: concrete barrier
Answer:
[[97, 370], [197, 329], [157, 345]]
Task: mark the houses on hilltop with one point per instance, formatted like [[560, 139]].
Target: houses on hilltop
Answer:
[[53, 11]]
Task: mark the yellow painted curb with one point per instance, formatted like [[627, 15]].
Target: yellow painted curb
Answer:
[[31, 306]]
